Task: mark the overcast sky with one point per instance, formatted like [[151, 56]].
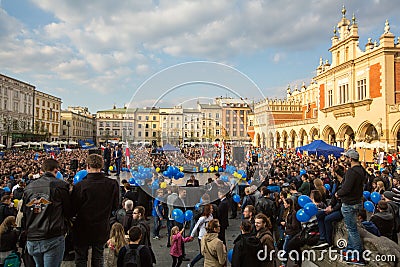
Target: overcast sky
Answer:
[[100, 53]]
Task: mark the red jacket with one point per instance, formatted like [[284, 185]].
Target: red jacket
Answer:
[[176, 246]]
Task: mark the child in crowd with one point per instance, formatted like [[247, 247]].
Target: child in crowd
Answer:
[[176, 245]]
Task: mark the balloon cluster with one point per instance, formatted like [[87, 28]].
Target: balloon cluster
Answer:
[[212, 169], [142, 173], [125, 169], [369, 204], [180, 217], [174, 172], [308, 210], [79, 176], [224, 178]]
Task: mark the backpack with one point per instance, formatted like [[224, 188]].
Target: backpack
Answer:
[[394, 209], [132, 257], [12, 260]]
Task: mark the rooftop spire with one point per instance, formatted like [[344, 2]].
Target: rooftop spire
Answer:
[[334, 31], [344, 11], [353, 19]]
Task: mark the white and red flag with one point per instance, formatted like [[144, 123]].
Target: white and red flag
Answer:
[[127, 154]]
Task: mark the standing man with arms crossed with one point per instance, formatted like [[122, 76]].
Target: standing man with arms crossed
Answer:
[[351, 195], [118, 159], [46, 207], [107, 159], [93, 200]]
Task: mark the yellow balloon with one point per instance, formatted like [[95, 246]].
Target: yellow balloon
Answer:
[[235, 174], [163, 185], [204, 169], [216, 168], [111, 168], [239, 176], [158, 169], [181, 169], [16, 203], [211, 169]]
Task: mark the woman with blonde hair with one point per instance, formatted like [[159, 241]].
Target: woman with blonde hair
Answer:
[[115, 243], [380, 187], [8, 238]]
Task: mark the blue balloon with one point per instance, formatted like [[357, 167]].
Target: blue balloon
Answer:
[[302, 172], [197, 206], [369, 206], [79, 176], [310, 209], [375, 197], [302, 216], [132, 180], [225, 178], [59, 175], [155, 185], [230, 254], [140, 168], [6, 189], [367, 194], [236, 198], [327, 187], [303, 200], [188, 215], [177, 215]]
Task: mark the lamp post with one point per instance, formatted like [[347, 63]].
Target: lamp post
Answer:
[[8, 124], [68, 125]]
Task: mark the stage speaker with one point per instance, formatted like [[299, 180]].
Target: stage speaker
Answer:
[[95, 151], [238, 154], [74, 164]]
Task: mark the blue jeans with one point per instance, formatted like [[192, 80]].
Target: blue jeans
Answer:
[[285, 248], [350, 219], [157, 226], [325, 224], [198, 257], [48, 252], [81, 255]]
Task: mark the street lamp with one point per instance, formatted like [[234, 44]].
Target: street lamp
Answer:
[[68, 125], [8, 123]]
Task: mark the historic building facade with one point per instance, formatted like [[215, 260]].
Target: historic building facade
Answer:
[[16, 109], [77, 124], [354, 97], [47, 116]]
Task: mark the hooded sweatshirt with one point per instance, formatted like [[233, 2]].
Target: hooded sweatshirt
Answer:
[[213, 250]]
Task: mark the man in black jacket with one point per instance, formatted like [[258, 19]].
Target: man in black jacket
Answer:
[[351, 195], [223, 210], [246, 248], [107, 159], [46, 207], [93, 200]]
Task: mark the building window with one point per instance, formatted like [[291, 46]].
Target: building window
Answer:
[[139, 126], [330, 97], [140, 134], [139, 117], [362, 89], [217, 132], [154, 134], [147, 134], [154, 118], [147, 126], [154, 126], [343, 93]]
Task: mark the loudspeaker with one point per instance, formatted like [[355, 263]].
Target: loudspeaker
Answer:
[[74, 164], [95, 151], [254, 158], [238, 154]]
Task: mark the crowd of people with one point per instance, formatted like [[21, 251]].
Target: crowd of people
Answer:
[[50, 218]]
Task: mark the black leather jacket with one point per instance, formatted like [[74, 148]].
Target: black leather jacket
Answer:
[[46, 205]]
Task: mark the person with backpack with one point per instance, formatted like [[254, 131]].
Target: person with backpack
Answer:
[[6, 208], [115, 243], [8, 242], [383, 219], [134, 254], [140, 221], [176, 251], [246, 247]]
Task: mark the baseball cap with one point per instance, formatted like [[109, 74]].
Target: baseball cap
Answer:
[[351, 153]]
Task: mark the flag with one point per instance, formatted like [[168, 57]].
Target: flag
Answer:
[[223, 161], [202, 151], [127, 154], [299, 154]]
